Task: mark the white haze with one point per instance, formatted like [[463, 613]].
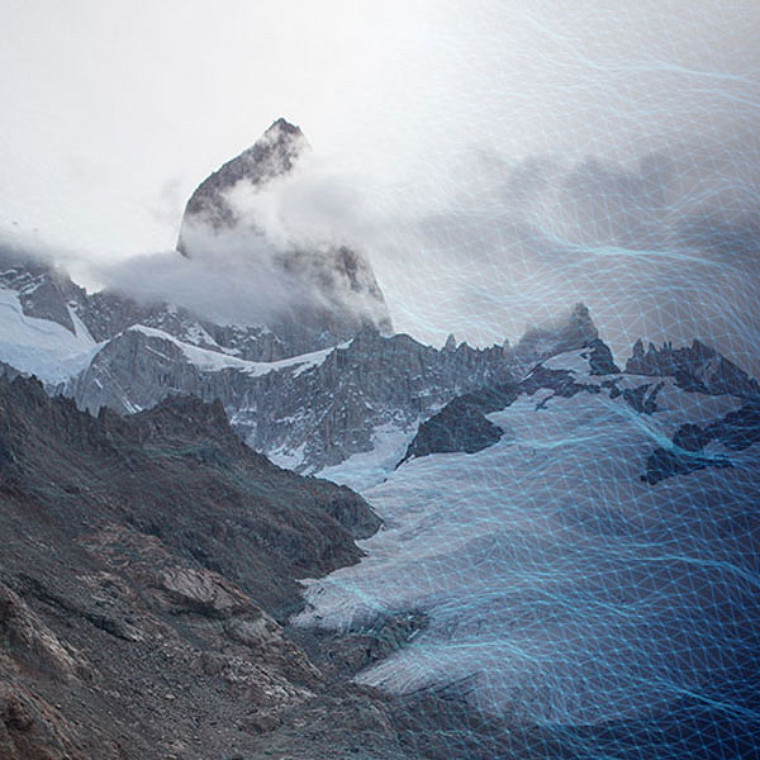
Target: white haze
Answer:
[[451, 143]]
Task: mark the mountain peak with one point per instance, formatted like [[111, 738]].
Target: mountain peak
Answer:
[[575, 330], [283, 126], [273, 155], [337, 292]]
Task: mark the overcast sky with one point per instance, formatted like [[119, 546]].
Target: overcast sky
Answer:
[[112, 112]]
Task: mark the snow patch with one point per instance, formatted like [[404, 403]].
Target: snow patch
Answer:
[[368, 468], [42, 347], [207, 360]]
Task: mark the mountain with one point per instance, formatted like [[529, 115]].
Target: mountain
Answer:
[[150, 560], [596, 524], [146, 566], [310, 390], [333, 289], [308, 411], [557, 559]]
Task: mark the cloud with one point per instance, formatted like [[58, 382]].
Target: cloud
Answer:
[[660, 247], [229, 284]]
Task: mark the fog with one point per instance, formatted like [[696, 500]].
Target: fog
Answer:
[[496, 161]]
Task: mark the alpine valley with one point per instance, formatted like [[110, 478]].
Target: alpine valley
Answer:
[[310, 536]]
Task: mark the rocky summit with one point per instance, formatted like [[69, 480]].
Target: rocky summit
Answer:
[[334, 290], [274, 155]]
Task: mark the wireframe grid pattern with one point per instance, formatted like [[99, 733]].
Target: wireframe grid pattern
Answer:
[[596, 612]]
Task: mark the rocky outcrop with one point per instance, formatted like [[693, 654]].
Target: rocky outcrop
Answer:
[[32, 643], [643, 398], [600, 359], [462, 424], [577, 330], [697, 368], [44, 292], [273, 155], [736, 431], [33, 729]]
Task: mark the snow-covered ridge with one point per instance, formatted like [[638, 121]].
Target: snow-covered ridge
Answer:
[[208, 360]]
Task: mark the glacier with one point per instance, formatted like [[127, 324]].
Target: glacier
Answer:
[[558, 584]]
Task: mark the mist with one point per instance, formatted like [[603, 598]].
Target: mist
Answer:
[[495, 161], [661, 248]]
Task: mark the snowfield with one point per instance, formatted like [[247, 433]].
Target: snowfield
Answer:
[[558, 583], [215, 361]]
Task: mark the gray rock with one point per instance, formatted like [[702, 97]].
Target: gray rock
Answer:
[[44, 292], [321, 412], [695, 368], [576, 331]]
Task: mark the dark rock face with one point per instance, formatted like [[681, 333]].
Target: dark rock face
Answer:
[[459, 426], [601, 360], [695, 368], [736, 431], [182, 453], [643, 398], [665, 463], [462, 425]]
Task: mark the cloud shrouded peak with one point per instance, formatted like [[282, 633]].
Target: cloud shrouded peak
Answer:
[[316, 283], [273, 155]]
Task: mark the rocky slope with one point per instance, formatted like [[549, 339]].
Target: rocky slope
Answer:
[[146, 567], [143, 568]]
